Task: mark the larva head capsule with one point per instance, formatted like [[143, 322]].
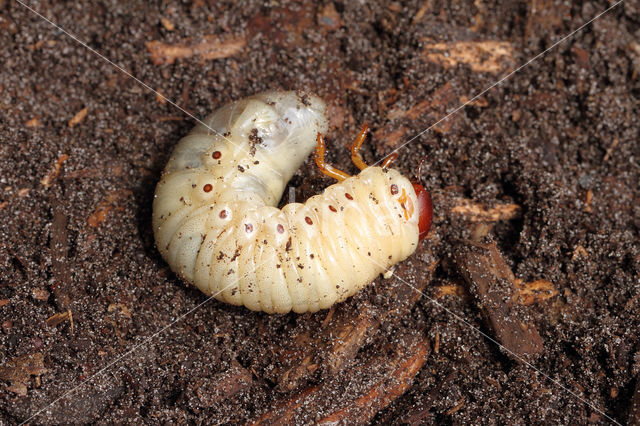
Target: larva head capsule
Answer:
[[425, 209]]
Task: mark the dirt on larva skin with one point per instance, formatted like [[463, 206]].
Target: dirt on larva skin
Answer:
[[82, 147]]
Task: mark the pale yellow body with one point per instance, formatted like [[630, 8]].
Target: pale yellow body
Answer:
[[217, 225]]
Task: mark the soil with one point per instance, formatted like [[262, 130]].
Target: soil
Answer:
[[96, 328]]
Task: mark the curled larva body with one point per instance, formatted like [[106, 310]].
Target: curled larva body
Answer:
[[217, 225]]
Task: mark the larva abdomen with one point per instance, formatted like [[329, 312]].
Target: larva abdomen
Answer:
[[217, 226]]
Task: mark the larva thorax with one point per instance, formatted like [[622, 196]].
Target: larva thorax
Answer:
[[217, 225]]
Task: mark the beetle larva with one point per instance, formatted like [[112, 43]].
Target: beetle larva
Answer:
[[217, 225]]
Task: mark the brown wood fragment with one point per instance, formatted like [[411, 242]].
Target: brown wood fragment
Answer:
[[33, 122], [610, 150], [211, 47], [634, 408], [167, 24], [578, 252], [77, 119], [108, 204], [390, 137], [456, 408], [53, 174], [19, 370], [492, 284], [450, 290], [60, 317], [582, 56], [535, 291], [482, 56], [587, 201], [329, 18], [222, 386], [40, 294], [121, 307], [476, 212], [372, 386], [4, 302], [420, 13]]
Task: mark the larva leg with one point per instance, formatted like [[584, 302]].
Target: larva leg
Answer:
[[390, 159], [324, 167], [355, 147]]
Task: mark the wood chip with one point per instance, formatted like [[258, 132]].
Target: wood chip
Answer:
[[329, 18], [40, 294], [493, 286], [121, 307], [214, 390], [53, 174], [578, 252], [450, 290], [108, 204], [424, 9], [456, 408], [212, 47], [476, 212], [535, 291], [4, 302], [167, 24], [77, 119], [58, 318], [33, 122], [19, 370], [482, 56]]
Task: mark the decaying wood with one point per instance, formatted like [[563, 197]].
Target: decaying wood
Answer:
[[19, 370], [476, 212], [438, 103], [60, 317], [493, 286], [333, 347], [108, 204], [212, 391], [53, 174], [78, 117], [535, 291], [356, 395], [482, 56], [211, 47]]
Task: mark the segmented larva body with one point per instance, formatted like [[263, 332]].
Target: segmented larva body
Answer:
[[217, 224]]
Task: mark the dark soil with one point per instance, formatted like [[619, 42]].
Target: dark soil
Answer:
[[560, 138]]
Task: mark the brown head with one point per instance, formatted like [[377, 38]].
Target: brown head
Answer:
[[425, 205]]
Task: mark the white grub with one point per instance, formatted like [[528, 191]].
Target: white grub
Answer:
[[217, 225]]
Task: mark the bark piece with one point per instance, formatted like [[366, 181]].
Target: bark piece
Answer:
[[475, 212], [535, 291], [105, 207], [222, 386], [55, 172], [492, 284], [78, 117], [19, 370], [356, 395], [211, 47], [482, 56]]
